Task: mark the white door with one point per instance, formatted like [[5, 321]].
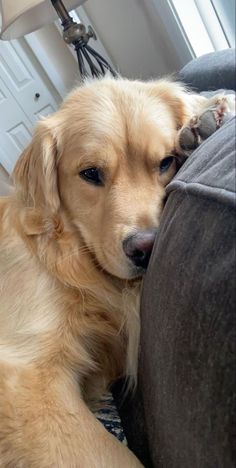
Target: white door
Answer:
[[24, 97], [15, 129]]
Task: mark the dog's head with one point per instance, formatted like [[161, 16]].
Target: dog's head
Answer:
[[103, 161]]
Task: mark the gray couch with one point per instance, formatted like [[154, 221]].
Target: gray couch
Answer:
[[183, 415]]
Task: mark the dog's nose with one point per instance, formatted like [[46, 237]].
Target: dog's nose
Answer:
[[138, 247]]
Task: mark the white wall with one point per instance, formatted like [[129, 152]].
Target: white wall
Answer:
[[141, 42], [141, 38]]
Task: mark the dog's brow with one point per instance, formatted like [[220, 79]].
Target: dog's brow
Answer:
[[103, 157]]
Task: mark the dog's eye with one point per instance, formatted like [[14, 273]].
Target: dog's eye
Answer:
[[166, 163], [93, 175]]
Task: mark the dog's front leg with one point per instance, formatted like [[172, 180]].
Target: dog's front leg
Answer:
[[44, 423]]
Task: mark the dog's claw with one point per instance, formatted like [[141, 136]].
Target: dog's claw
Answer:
[[222, 112], [201, 126]]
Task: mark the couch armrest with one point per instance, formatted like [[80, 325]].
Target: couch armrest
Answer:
[[188, 361], [211, 71]]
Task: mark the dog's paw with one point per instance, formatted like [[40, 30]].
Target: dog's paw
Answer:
[[200, 127]]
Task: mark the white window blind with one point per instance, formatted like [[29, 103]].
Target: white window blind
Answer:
[[209, 25]]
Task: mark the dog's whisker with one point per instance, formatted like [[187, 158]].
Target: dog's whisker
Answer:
[[89, 248]]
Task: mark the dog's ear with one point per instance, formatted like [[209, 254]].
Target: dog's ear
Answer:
[[183, 103], [35, 174]]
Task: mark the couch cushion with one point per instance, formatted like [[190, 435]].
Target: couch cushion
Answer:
[[211, 71], [187, 361]]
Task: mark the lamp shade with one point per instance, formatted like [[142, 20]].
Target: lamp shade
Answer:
[[20, 17]]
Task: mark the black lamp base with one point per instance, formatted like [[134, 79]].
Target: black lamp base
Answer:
[[89, 60]]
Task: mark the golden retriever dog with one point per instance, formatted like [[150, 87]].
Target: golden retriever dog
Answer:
[[76, 234]]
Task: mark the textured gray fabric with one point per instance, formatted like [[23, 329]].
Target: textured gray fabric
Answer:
[[188, 363], [211, 71], [183, 414], [212, 174]]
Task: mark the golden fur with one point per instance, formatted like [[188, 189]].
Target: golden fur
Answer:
[[69, 322]]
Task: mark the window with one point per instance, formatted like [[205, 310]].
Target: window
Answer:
[[225, 12], [208, 24]]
